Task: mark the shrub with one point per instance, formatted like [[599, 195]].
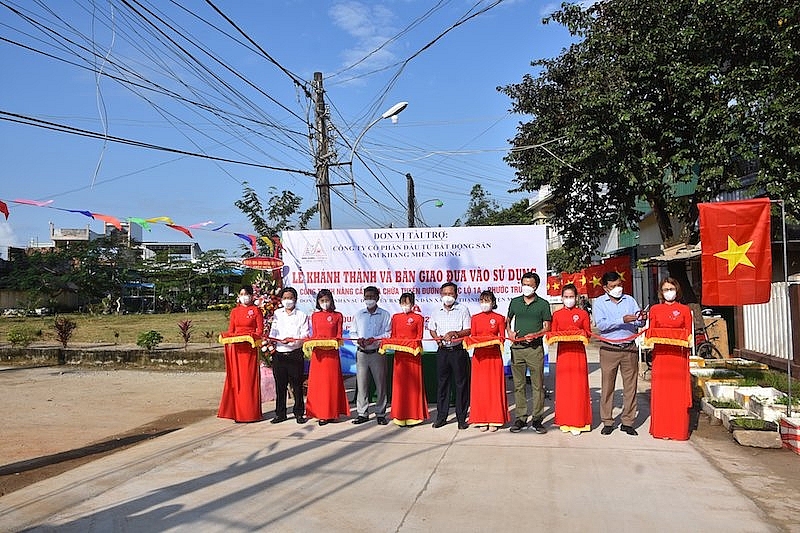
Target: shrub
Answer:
[[149, 340], [64, 328], [209, 336], [21, 336], [185, 326]]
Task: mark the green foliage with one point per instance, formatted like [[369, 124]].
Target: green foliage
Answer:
[[725, 404], [282, 212], [765, 378], [184, 285], [94, 269], [22, 336], [655, 97], [566, 259], [185, 327], [64, 328], [483, 210], [149, 340]]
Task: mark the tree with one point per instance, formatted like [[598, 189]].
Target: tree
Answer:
[[93, 269], [655, 96], [483, 210], [282, 212]]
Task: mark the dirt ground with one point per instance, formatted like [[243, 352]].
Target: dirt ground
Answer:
[[57, 417]]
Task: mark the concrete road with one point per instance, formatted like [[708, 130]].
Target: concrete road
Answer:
[[218, 476]]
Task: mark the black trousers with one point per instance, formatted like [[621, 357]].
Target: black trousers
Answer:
[[452, 368], [287, 368]]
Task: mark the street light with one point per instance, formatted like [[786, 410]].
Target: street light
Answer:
[[323, 183], [392, 113], [436, 202]]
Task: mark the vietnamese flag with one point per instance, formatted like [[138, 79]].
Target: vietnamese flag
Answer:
[[594, 285], [4, 208], [736, 265], [622, 266], [566, 278], [580, 281], [553, 286]]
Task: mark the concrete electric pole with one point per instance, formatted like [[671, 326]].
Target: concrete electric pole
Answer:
[[412, 200], [321, 156]]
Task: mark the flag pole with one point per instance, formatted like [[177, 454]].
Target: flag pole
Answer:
[[789, 345]]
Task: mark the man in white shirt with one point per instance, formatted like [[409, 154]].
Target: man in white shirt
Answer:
[[370, 325], [290, 327], [449, 325]]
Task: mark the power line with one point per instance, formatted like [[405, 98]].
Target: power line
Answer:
[[30, 121]]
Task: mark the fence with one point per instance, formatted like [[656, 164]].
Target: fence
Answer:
[[766, 326]]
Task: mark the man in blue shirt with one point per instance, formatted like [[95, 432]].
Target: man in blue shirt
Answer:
[[370, 325], [618, 317]]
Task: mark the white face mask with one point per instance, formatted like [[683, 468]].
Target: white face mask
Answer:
[[486, 306], [616, 292], [370, 303], [670, 295], [288, 304], [527, 290], [569, 302], [448, 300], [324, 305], [245, 300], [406, 308]]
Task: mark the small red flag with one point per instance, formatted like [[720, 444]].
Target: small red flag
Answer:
[[553, 286], [736, 264], [4, 209], [181, 229], [114, 221]]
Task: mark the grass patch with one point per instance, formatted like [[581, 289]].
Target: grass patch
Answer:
[[766, 378], [121, 329], [725, 404]]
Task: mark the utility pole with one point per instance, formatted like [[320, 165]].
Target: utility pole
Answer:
[[412, 201], [321, 156]]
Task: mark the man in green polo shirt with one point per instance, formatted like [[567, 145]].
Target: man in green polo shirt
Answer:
[[528, 315]]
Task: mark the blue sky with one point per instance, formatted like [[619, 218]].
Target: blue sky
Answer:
[[240, 103]]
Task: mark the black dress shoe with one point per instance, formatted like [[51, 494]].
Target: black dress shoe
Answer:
[[439, 423], [278, 420], [628, 429], [360, 420], [607, 430], [463, 425], [323, 422], [299, 419], [382, 421]]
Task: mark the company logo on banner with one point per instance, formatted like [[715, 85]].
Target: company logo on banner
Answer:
[[416, 260]]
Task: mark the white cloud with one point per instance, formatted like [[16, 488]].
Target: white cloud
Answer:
[[551, 7], [7, 238], [370, 26]]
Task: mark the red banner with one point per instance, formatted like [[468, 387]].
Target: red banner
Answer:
[[736, 264], [262, 263]]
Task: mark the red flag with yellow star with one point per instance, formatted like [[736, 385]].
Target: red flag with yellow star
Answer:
[[553, 285], [621, 264], [594, 274], [736, 264]]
